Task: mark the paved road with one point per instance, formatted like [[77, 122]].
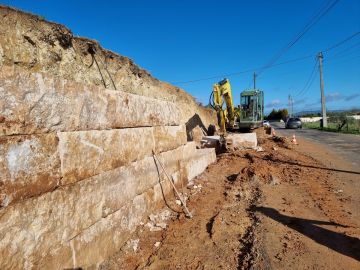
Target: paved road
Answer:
[[347, 145]]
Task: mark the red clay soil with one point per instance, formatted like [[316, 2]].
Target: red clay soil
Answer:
[[275, 209]]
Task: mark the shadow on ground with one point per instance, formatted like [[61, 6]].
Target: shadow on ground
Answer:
[[276, 160], [339, 242]]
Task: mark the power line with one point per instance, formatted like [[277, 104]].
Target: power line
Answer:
[[244, 71], [342, 60], [273, 65], [314, 20], [344, 52], [305, 88], [342, 42], [310, 81], [309, 85]]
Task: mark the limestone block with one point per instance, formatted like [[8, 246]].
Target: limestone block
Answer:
[[83, 223], [189, 150], [29, 165], [199, 162], [34, 229], [37, 103], [105, 237], [169, 137], [101, 239], [242, 140], [87, 153], [110, 233]]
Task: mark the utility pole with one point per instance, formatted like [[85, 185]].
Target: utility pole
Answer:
[[292, 107], [323, 108], [254, 80]]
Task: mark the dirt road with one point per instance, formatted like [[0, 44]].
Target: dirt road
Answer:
[[275, 209]]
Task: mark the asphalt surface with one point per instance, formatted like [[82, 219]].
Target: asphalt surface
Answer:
[[346, 145]]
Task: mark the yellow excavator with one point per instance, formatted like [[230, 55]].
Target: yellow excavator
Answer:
[[249, 115]]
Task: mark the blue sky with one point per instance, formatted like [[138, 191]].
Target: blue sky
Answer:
[[180, 41]]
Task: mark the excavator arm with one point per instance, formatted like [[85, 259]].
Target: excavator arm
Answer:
[[222, 93]]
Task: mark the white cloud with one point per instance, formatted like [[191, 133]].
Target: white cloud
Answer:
[[274, 103], [333, 97]]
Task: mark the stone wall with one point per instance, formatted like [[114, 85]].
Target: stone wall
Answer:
[[77, 173], [37, 45]]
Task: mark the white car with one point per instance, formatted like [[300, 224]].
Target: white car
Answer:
[[266, 123]]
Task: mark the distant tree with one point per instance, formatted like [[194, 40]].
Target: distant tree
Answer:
[[354, 111], [277, 114], [283, 114]]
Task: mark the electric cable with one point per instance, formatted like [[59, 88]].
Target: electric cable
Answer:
[[313, 21], [273, 65], [308, 80], [341, 42], [243, 71]]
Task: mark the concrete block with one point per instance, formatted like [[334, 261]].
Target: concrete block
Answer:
[[37, 103], [242, 140], [29, 165]]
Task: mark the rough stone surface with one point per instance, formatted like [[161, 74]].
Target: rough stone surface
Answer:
[[169, 137], [29, 165], [61, 123], [199, 162], [98, 212], [242, 140], [33, 164], [36, 45], [87, 153], [34, 103]]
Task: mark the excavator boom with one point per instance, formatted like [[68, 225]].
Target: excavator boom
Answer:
[[222, 93]]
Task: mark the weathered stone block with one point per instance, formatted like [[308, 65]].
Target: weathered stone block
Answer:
[[87, 153], [242, 140], [33, 229], [37, 103], [101, 239], [169, 137], [29, 165], [83, 223], [199, 162]]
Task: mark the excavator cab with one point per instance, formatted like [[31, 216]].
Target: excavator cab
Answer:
[[251, 109]]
